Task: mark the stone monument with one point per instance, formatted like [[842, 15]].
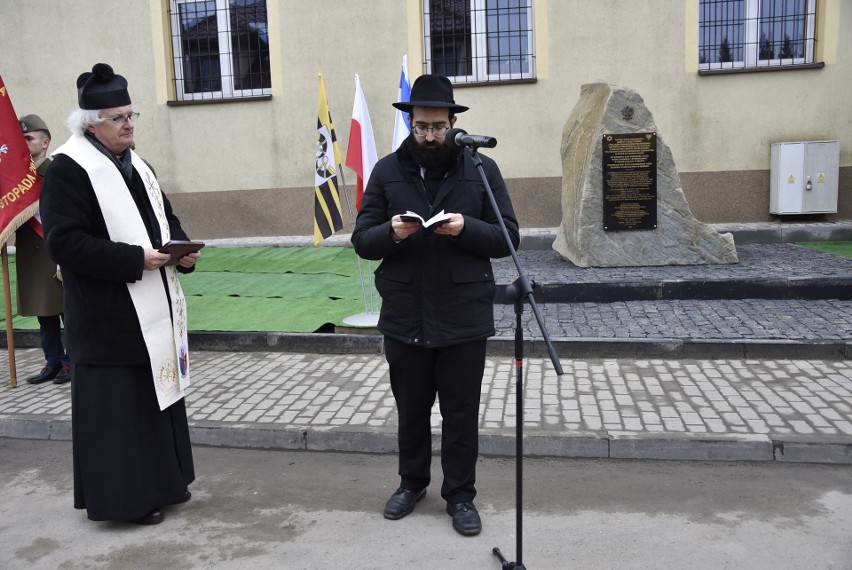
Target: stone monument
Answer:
[[622, 201]]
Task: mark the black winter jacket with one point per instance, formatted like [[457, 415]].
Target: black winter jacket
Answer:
[[101, 325], [436, 290]]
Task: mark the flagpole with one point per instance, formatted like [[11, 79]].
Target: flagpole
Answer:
[[346, 194], [10, 339], [352, 223]]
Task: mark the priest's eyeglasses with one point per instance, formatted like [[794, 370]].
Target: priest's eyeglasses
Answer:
[[120, 120], [437, 130]]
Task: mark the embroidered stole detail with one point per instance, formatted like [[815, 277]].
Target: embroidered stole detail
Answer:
[[163, 325]]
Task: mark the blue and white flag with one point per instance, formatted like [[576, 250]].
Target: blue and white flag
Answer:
[[401, 128]]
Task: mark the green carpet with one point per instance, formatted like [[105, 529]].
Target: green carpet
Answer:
[[841, 248], [266, 289], [307, 260]]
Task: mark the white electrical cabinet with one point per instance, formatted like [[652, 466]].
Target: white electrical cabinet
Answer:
[[804, 177]]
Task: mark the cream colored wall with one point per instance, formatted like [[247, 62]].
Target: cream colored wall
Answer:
[[46, 44], [712, 123]]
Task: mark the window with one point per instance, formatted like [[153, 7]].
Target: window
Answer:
[[755, 33], [221, 49], [479, 41]]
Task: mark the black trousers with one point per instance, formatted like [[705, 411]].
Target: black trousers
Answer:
[[50, 330], [454, 374]]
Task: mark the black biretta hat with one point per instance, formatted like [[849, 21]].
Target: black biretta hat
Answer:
[[102, 89], [431, 91]]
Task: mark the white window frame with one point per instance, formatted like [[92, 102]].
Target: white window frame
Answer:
[[225, 57], [751, 47], [479, 46]]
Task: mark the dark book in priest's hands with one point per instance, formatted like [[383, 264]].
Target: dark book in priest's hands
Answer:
[[436, 220], [179, 248]]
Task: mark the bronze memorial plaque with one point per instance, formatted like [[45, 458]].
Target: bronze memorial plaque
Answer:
[[629, 169]]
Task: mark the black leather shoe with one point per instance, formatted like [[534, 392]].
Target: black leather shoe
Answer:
[[47, 374], [466, 519], [154, 517], [185, 499], [402, 502], [63, 376]]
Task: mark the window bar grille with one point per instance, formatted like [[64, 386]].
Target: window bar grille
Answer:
[[479, 40], [220, 49], [756, 33]]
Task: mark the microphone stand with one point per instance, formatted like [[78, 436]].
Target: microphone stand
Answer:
[[519, 291]]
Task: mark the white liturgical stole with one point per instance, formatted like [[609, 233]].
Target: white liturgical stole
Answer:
[[163, 324]]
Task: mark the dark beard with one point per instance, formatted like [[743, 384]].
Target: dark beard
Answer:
[[432, 156]]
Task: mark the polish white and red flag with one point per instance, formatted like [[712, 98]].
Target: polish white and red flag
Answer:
[[361, 153]]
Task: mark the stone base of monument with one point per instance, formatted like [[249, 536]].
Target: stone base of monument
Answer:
[[622, 201]]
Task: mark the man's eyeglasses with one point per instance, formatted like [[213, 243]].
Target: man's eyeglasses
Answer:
[[121, 119], [437, 130]]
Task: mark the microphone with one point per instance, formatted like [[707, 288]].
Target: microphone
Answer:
[[459, 138]]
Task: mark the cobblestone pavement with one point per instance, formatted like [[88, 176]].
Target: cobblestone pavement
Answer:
[[736, 319], [790, 410]]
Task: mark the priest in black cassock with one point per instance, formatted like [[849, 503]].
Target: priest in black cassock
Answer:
[[104, 218]]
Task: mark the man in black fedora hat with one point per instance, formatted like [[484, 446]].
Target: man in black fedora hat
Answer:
[[437, 288]]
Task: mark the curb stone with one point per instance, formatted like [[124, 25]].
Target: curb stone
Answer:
[[588, 445]]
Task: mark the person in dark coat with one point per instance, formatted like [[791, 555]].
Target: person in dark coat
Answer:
[[38, 286], [105, 217], [437, 288]]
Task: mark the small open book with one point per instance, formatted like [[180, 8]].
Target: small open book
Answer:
[[436, 220]]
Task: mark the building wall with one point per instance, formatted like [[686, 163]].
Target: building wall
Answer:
[[244, 168]]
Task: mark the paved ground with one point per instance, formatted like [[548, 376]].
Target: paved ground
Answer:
[[785, 410], [297, 510], [721, 376]]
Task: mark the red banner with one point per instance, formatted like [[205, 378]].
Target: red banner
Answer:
[[19, 184]]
